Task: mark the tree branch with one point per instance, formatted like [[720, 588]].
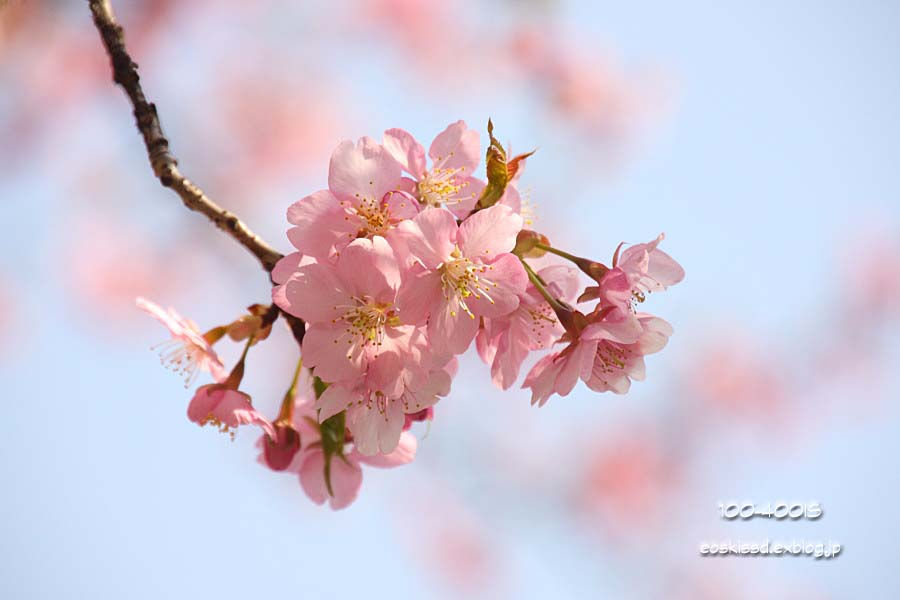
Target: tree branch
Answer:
[[163, 162]]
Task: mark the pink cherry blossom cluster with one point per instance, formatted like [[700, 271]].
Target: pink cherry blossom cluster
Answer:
[[403, 262]]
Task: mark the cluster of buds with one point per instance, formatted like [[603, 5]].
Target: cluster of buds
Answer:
[[403, 262]]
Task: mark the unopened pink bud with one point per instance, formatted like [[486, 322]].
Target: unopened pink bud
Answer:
[[527, 244]]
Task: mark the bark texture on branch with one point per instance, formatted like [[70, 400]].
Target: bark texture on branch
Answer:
[[163, 162]]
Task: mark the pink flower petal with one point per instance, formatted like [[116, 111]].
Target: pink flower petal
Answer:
[[462, 203], [313, 294], [542, 378], [376, 429], [457, 147], [403, 454], [562, 281], [507, 272], [286, 267], [406, 151], [320, 223], [346, 479], [312, 476], [362, 171], [419, 294], [326, 350], [451, 333], [333, 400], [430, 236], [489, 232], [369, 268]]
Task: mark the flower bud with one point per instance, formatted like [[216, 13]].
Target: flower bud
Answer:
[[258, 324], [592, 268], [280, 451], [527, 244], [571, 319]]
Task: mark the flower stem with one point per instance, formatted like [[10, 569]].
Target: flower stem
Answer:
[[535, 279], [293, 389], [286, 412], [237, 373], [566, 255], [249, 343], [215, 334]]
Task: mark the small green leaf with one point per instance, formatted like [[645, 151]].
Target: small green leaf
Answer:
[[512, 167], [332, 431], [319, 386], [499, 171], [497, 174]]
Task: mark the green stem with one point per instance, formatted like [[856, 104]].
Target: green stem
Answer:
[[552, 250], [540, 285], [293, 389], [287, 404]]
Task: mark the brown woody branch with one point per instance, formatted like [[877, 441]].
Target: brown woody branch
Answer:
[[163, 162]]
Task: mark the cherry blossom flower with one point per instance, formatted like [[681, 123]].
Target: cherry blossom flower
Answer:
[[295, 429], [454, 157], [557, 373], [354, 322], [427, 414], [463, 272], [345, 476], [226, 408], [279, 450], [616, 362], [393, 277], [188, 352], [376, 413], [505, 342], [363, 200], [637, 271], [346, 471]]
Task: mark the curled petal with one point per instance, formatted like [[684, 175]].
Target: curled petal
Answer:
[[225, 407]]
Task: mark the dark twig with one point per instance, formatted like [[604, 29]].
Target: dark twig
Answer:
[[164, 164], [161, 159]]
